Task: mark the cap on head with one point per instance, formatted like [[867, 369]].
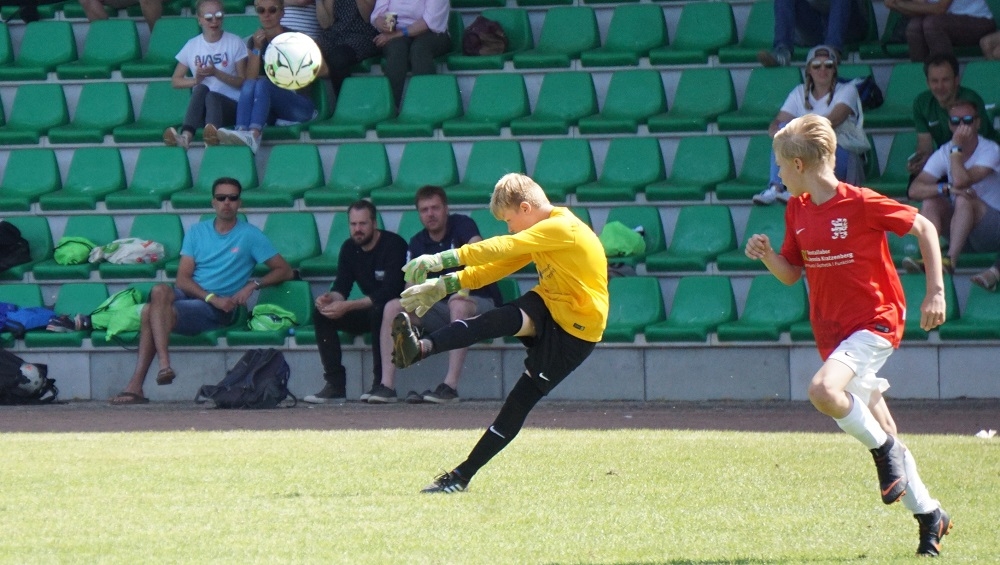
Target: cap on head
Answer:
[[823, 51]]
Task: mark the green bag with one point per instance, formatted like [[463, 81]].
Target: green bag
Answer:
[[126, 319], [620, 240], [73, 250], [269, 317], [107, 315]]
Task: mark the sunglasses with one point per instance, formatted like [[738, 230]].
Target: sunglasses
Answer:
[[967, 120], [818, 64], [272, 10], [212, 17], [229, 197]]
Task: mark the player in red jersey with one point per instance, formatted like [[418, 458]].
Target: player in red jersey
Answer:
[[835, 233]]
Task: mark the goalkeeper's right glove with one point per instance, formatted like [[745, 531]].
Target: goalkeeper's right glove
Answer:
[[422, 297], [416, 270]]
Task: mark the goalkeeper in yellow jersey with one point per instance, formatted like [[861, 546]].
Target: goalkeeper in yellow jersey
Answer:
[[560, 320]]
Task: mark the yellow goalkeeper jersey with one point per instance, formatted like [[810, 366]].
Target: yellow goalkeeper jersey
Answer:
[[572, 269]]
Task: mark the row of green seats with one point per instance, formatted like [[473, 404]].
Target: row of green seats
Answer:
[[72, 10]]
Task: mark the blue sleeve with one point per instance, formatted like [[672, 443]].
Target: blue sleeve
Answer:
[[261, 248]]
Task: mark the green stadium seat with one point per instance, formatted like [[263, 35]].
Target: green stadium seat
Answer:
[[162, 106], [430, 100], [37, 109], [771, 308], [29, 174], [563, 99], [487, 224], [109, 43], [758, 34], [583, 213], [293, 131], [423, 162], [703, 28], [702, 96], [159, 172], [562, 165], [234, 161], [363, 102], [73, 298], [766, 91], [915, 288], [633, 31], [25, 296], [635, 302], [325, 265], [6, 47], [700, 164], [631, 163], [44, 46], [886, 48], [980, 319], [35, 229], [100, 229], [161, 228], [478, 4], [358, 168], [294, 235], [293, 296], [648, 217], [488, 161], [566, 32], [902, 247], [532, 3], [168, 37], [755, 173], [101, 108], [633, 96], [700, 235], [768, 220], [981, 76], [496, 99], [853, 71], [509, 289], [243, 25], [94, 173], [895, 180], [291, 171], [409, 224], [516, 27], [700, 304], [905, 81]]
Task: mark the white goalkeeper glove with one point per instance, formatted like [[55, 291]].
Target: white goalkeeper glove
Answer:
[[422, 297], [416, 270]]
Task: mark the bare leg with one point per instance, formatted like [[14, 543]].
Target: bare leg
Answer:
[[392, 308], [162, 319], [151, 11], [968, 212], [938, 210], [826, 391]]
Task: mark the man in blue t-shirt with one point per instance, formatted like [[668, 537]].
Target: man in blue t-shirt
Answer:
[[442, 231], [213, 281]]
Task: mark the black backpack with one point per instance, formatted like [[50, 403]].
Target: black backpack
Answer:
[[14, 248], [259, 380], [25, 383]]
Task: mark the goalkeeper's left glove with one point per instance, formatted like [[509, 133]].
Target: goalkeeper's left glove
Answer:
[[416, 270], [422, 297]]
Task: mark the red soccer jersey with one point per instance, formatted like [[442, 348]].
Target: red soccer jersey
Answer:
[[853, 283]]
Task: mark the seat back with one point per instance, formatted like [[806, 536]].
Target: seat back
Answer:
[[163, 105], [905, 81], [487, 224], [703, 231], [703, 161], [24, 295], [103, 105], [768, 220], [566, 96], [562, 165], [360, 166], [161, 228], [981, 76], [38, 107], [914, 289], [111, 43], [703, 301], [756, 167], [234, 161], [704, 27], [242, 25], [768, 88], [704, 92], [409, 224], [516, 26], [168, 37], [490, 160], [293, 296], [427, 162], [30, 172], [340, 230], [293, 234], [431, 99], [772, 303], [47, 44], [635, 302], [99, 228], [636, 28], [498, 97], [646, 216], [634, 94], [293, 167], [632, 161], [364, 100], [97, 170], [80, 298], [7, 48], [758, 30], [982, 307], [569, 30], [161, 170], [36, 230]]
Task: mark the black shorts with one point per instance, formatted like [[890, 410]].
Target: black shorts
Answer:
[[552, 353]]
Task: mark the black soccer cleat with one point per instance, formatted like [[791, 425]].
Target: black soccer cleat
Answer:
[[891, 473], [406, 346], [447, 483], [933, 526]]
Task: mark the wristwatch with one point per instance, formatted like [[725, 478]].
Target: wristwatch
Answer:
[[255, 51], [256, 283], [955, 149]]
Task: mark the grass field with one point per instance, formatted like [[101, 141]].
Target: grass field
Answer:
[[630, 496]]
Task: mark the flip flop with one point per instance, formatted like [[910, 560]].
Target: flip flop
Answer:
[[126, 398], [165, 376]]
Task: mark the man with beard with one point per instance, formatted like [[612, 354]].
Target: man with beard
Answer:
[[373, 259]]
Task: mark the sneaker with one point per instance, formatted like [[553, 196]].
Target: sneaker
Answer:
[[933, 526], [327, 395], [783, 196], [915, 266], [414, 397], [61, 324], [364, 397], [210, 134], [447, 483], [443, 394], [174, 139], [239, 137], [891, 473], [382, 395], [770, 195], [407, 348], [779, 57]]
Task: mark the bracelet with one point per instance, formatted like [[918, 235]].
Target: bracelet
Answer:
[[406, 32], [955, 149], [255, 52], [209, 297]]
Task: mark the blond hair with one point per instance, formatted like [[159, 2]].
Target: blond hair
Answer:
[[810, 138], [514, 188]]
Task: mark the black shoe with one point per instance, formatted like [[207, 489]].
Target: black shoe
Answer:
[[327, 395], [406, 346], [443, 394], [61, 324], [414, 397], [933, 526], [382, 395], [364, 397], [891, 473], [447, 483]]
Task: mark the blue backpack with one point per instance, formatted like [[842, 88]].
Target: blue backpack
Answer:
[[20, 320]]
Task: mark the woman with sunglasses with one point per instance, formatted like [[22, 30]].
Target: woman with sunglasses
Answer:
[[261, 102], [347, 38], [217, 61], [824, 95]]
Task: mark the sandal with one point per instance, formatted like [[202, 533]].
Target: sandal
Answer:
[[126, 398], [165, 376], [987, 279]]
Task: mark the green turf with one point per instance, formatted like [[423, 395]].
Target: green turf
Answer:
[[632, 496]]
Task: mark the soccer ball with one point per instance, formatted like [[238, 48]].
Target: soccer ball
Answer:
[[31, 379], [292, 60]]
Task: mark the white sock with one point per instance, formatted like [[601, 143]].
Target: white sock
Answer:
[[917, 499], [860, 424]]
